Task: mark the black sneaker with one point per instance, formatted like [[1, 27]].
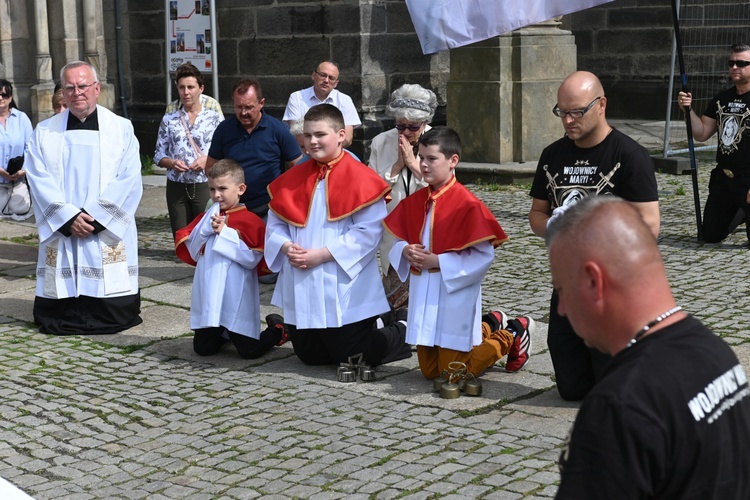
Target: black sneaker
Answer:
[[277, 321]]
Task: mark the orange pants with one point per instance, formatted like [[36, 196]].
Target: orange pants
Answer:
[[433, 359]]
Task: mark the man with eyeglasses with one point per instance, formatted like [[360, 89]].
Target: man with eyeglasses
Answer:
[[728, 114], [260, 143], [592, 159], [85, 171], [325, 79]]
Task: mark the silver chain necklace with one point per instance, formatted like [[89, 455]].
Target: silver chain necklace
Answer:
[[653, 322]]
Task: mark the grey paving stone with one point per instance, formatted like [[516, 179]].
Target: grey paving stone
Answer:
[[106, 417]]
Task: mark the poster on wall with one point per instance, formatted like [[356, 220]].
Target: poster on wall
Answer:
[[189, 34]]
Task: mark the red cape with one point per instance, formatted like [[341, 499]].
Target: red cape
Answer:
[[250, 227], [458, 219], [350, 187]]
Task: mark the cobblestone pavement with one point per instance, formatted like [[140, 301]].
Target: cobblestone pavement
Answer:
[[137, 415]]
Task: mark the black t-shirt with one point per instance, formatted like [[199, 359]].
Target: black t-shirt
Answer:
[[732, 114], [670, 419], [618, 165]]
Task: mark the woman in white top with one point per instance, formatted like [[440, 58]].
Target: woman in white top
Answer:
[[181, 147], [394, 153]]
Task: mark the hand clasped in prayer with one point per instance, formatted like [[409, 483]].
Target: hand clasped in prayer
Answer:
[[81, 226], [420, 258], [303, 258], [217, 223]]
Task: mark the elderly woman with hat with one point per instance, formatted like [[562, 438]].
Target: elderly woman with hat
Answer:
[[394, 153]]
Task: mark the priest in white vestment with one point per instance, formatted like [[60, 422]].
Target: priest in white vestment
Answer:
[[85, 174]]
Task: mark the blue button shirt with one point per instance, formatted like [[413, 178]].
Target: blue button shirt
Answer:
[[263, 153]]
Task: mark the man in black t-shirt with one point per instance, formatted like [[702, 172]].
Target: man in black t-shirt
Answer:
[[729, 114], [592, 159], [670, 418]]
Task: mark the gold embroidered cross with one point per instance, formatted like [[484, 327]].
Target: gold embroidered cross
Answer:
[[113, 254], [51, 257]]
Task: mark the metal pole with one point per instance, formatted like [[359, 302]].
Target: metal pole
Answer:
[[167, 47], [668, 121], [689, 125], [214, 52]]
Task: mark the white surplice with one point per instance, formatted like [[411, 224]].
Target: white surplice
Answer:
[[340, 292], [445, 306], [225, 285], [99, 172]]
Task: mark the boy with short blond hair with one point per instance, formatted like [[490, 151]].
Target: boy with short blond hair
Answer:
[[324, 228], [226, 245], [446, 238]]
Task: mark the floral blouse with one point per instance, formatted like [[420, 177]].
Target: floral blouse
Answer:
[[173, 141]]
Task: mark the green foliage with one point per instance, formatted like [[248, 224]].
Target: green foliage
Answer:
[[147, 165]]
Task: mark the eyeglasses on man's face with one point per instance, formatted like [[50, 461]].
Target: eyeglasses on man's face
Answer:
[[403, 126], [72, 89], [326, 76], [4, 95], [739, 63], [574, 113]]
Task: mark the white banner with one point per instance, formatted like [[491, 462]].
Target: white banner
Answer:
[[447, 24]]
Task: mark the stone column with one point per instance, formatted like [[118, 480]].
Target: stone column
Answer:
[[501, 92], [91, 20], [90, 52], [41, 93]]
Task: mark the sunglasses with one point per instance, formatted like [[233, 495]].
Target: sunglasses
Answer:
[[740, 64], [4, 95], [575, 113], [414, 128]]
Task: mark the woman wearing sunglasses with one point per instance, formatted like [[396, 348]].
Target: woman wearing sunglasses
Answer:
[[15, 132], [394, 153]]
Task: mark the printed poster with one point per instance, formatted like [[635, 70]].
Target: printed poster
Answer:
[[189, 36]]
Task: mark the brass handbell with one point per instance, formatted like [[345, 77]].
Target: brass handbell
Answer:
[[347, 375], [347, 372], [366, 374], [450, 389], [441, 379], [472, 385]]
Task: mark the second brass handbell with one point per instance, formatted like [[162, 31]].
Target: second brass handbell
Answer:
[[472, 385]]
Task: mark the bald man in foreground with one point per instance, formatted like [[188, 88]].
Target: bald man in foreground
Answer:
[[592, 159], [670, 418]]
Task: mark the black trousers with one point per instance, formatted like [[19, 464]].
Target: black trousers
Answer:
[[577, 367], [85, 315], [208, 341], [185, 202], [726, 195], [325, 346]]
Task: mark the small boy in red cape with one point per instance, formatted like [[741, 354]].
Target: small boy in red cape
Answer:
[[446, 238], [324, 229], [225, 243]]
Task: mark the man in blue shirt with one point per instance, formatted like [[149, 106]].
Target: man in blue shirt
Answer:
[[260, 143]]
